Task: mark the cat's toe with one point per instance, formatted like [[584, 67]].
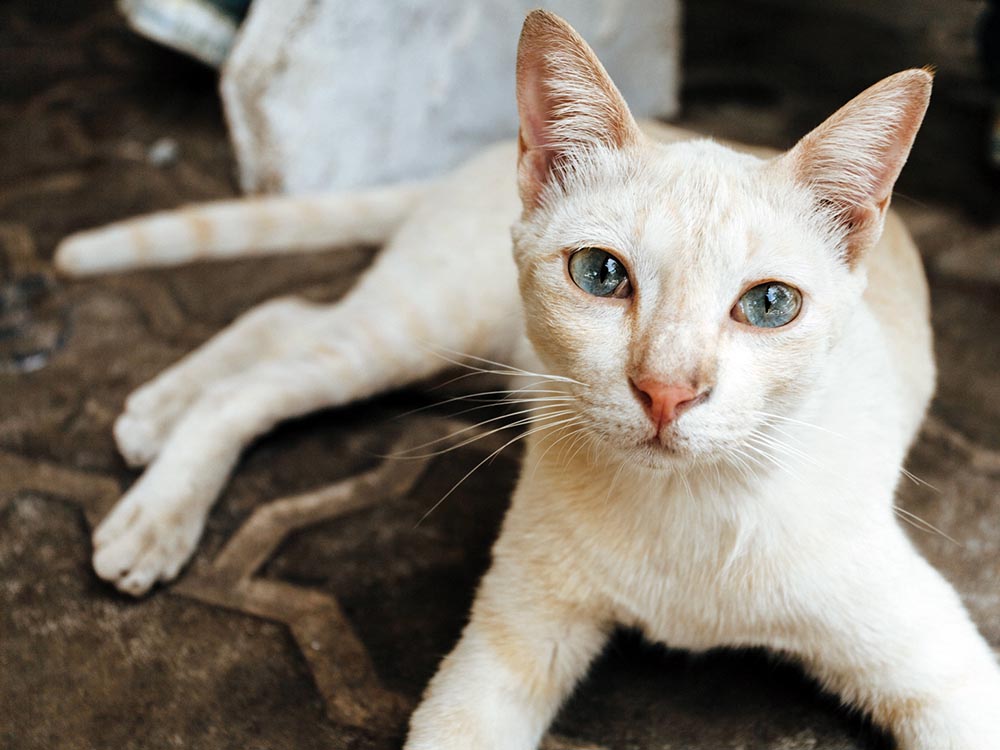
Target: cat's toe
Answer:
[[136, 547], [139, 438], [135, 568], [149, 416], [121, 516], [113, 561], [139, 580]]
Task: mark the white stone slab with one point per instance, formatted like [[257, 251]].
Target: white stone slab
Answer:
[[329, 94]]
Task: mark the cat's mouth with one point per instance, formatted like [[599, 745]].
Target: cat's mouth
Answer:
[[663, 448], [662, 444]]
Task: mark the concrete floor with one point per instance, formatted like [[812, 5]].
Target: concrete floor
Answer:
[[319, 627]]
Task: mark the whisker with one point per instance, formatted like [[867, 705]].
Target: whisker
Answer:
[[761, 441], [579, 443], [508, 370], [493, 404], [455, 379], [687, 485], [562, 378], [774, 460], [740, 464], [478, 373], [567, 435], [781, 446], [918, 523], [489, 458], [798, 422], [770, 424], [785, 446], [753, 461], [614, 481], [473, 396], [475, 438], [917, 480]]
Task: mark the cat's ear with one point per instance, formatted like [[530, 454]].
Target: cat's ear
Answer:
[[851, 161], [566, 102]]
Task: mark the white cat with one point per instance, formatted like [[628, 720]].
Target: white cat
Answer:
[[741, 343]]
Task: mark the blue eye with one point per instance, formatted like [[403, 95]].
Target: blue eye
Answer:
[[600, 273], [768, 305]]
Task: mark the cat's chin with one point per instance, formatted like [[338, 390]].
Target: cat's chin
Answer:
[[666, 455]]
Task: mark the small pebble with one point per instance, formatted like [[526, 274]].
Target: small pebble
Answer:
[[163, 152]]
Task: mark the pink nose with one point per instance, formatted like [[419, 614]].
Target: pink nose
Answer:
[[664, 402]]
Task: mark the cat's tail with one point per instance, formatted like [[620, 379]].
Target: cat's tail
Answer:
[[240, 228]]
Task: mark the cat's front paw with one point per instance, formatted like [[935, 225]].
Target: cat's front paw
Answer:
[[149, 416], [144, 540], [139, 439]]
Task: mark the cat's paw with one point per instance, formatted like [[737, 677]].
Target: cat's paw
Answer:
[[145, 540], [149, 416], [138, 439]]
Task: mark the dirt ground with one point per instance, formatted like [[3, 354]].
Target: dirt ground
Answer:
[[315, 623]]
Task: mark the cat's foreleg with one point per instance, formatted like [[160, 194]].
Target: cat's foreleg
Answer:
[[905, 651], [319, 357], [522, 652], [271, 331], [153, 529]]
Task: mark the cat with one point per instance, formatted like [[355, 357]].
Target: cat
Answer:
[[742, 343]]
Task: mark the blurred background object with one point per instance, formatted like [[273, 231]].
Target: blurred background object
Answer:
[[322, 95], [328, 94], [770, 68], [989, 39], [333, 95], [204, 29]]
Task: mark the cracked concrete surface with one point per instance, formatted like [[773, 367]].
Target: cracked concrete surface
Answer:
[[317, 606]]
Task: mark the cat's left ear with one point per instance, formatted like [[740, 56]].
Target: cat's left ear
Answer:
[[566, 101], [851, 161]]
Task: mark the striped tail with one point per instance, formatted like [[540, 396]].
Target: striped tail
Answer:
[[240, 228]]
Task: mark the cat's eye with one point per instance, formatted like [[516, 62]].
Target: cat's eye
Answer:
[[600, 273], [768, 305]]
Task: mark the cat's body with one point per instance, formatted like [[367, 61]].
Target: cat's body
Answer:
[[758, 512]]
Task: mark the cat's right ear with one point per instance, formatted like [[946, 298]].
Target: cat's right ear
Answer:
[[850, 162], [566, 103]]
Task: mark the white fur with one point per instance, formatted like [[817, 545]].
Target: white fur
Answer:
[[224, 229], [786, 541], [760, 517]]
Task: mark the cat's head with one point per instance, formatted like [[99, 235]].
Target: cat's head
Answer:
[[692, 289]]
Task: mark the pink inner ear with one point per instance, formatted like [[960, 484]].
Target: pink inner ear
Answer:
[[888, 161], [536, 155], [852, 161], [538, 151], [534, 109], [565, 100], [534, 168]]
